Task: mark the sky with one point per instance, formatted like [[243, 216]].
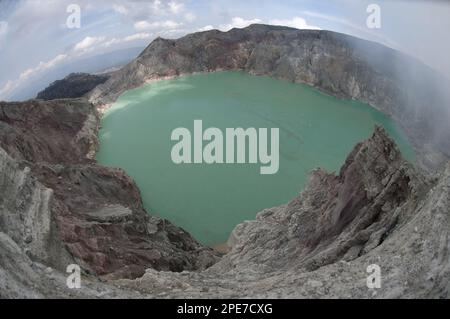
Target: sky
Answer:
[[35, 36]]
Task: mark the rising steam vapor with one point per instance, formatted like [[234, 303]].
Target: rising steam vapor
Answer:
[[421, 30]]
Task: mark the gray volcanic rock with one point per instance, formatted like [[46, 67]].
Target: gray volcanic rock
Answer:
[[74, 85], [60, 206], [59, 131], [25, 216], [378, 210], [336, 217], [20, 277], [340, 65]]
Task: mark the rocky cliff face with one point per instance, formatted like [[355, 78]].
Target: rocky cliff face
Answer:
[[58, 205], [378, 210], [337, 64]]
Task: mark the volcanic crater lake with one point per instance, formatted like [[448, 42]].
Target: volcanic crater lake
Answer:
[[209, 200]]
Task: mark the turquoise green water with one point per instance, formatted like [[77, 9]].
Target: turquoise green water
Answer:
[[316, 130]]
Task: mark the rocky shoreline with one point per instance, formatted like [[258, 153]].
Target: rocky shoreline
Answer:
[[337, 64], [58, 206]]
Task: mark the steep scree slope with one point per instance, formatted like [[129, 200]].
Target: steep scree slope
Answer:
[[58, 204]]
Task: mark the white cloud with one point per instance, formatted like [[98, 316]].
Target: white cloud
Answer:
[[163, 25], [88, 44], [136, 10], [142, 25], [175, 7], [12, 85], [238, 22], [206, 28], [125, 7], [6, 90], [190, 17], [3, 32], [120, 9], [296, 22], [3, 28], [130, 38], [157, 7], [102, 42], [137, 36], [42, 66]]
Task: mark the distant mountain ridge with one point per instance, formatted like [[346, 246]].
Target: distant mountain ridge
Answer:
[[72, 86], [94, 65]]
